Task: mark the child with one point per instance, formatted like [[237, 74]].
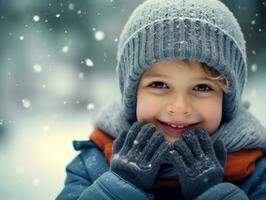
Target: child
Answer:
[[180, 130]]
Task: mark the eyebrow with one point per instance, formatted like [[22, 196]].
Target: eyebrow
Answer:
[[155, 75], [204, 79]]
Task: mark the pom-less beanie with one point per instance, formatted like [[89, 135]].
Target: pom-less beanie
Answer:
[[202, 30]]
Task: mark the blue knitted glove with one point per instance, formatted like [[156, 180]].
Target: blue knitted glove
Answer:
[[138, 154], [199, 162]]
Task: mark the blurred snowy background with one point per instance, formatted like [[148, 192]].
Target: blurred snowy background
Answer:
[[57, 66]]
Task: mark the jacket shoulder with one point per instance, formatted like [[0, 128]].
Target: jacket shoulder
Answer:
[[83, 144], [87, 166], [83, 170], [255, 184], [261, 162], [261, 166], [259, 174], [91, 158]]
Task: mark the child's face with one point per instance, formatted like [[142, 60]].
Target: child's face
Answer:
[[175, 95]]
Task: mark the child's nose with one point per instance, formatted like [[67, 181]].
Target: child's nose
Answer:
[[179, 105]]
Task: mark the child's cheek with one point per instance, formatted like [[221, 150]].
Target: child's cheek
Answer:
[[146, 110]]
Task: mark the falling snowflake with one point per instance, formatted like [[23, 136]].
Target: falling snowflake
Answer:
[[57, 15], [254, 68], [135, 142], [253, 22], [36, 18], [36, 181], [90, 106], [99, 35], [71, 6], [37, 68], [89, 62], [46, 128], [65, 49], [26, 103], [81, 75], [21, 37]]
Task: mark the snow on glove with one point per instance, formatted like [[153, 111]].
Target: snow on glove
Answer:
[[138, 154], [199, 162]]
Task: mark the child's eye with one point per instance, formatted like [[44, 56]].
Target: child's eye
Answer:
[[202, 88], [158, 85]]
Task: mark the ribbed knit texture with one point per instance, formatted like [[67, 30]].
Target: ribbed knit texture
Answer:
[[201, 30]]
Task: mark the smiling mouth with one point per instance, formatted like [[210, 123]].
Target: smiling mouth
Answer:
[[176, 130]]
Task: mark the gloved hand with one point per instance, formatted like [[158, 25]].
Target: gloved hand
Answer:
[[138, 154], [199, 162]]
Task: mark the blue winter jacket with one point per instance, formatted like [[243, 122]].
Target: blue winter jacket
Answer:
[[89, 178]]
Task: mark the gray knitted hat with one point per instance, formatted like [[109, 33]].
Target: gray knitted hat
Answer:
[[201, 30]]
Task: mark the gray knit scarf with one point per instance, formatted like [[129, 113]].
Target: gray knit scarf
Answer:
[[242, 132]]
